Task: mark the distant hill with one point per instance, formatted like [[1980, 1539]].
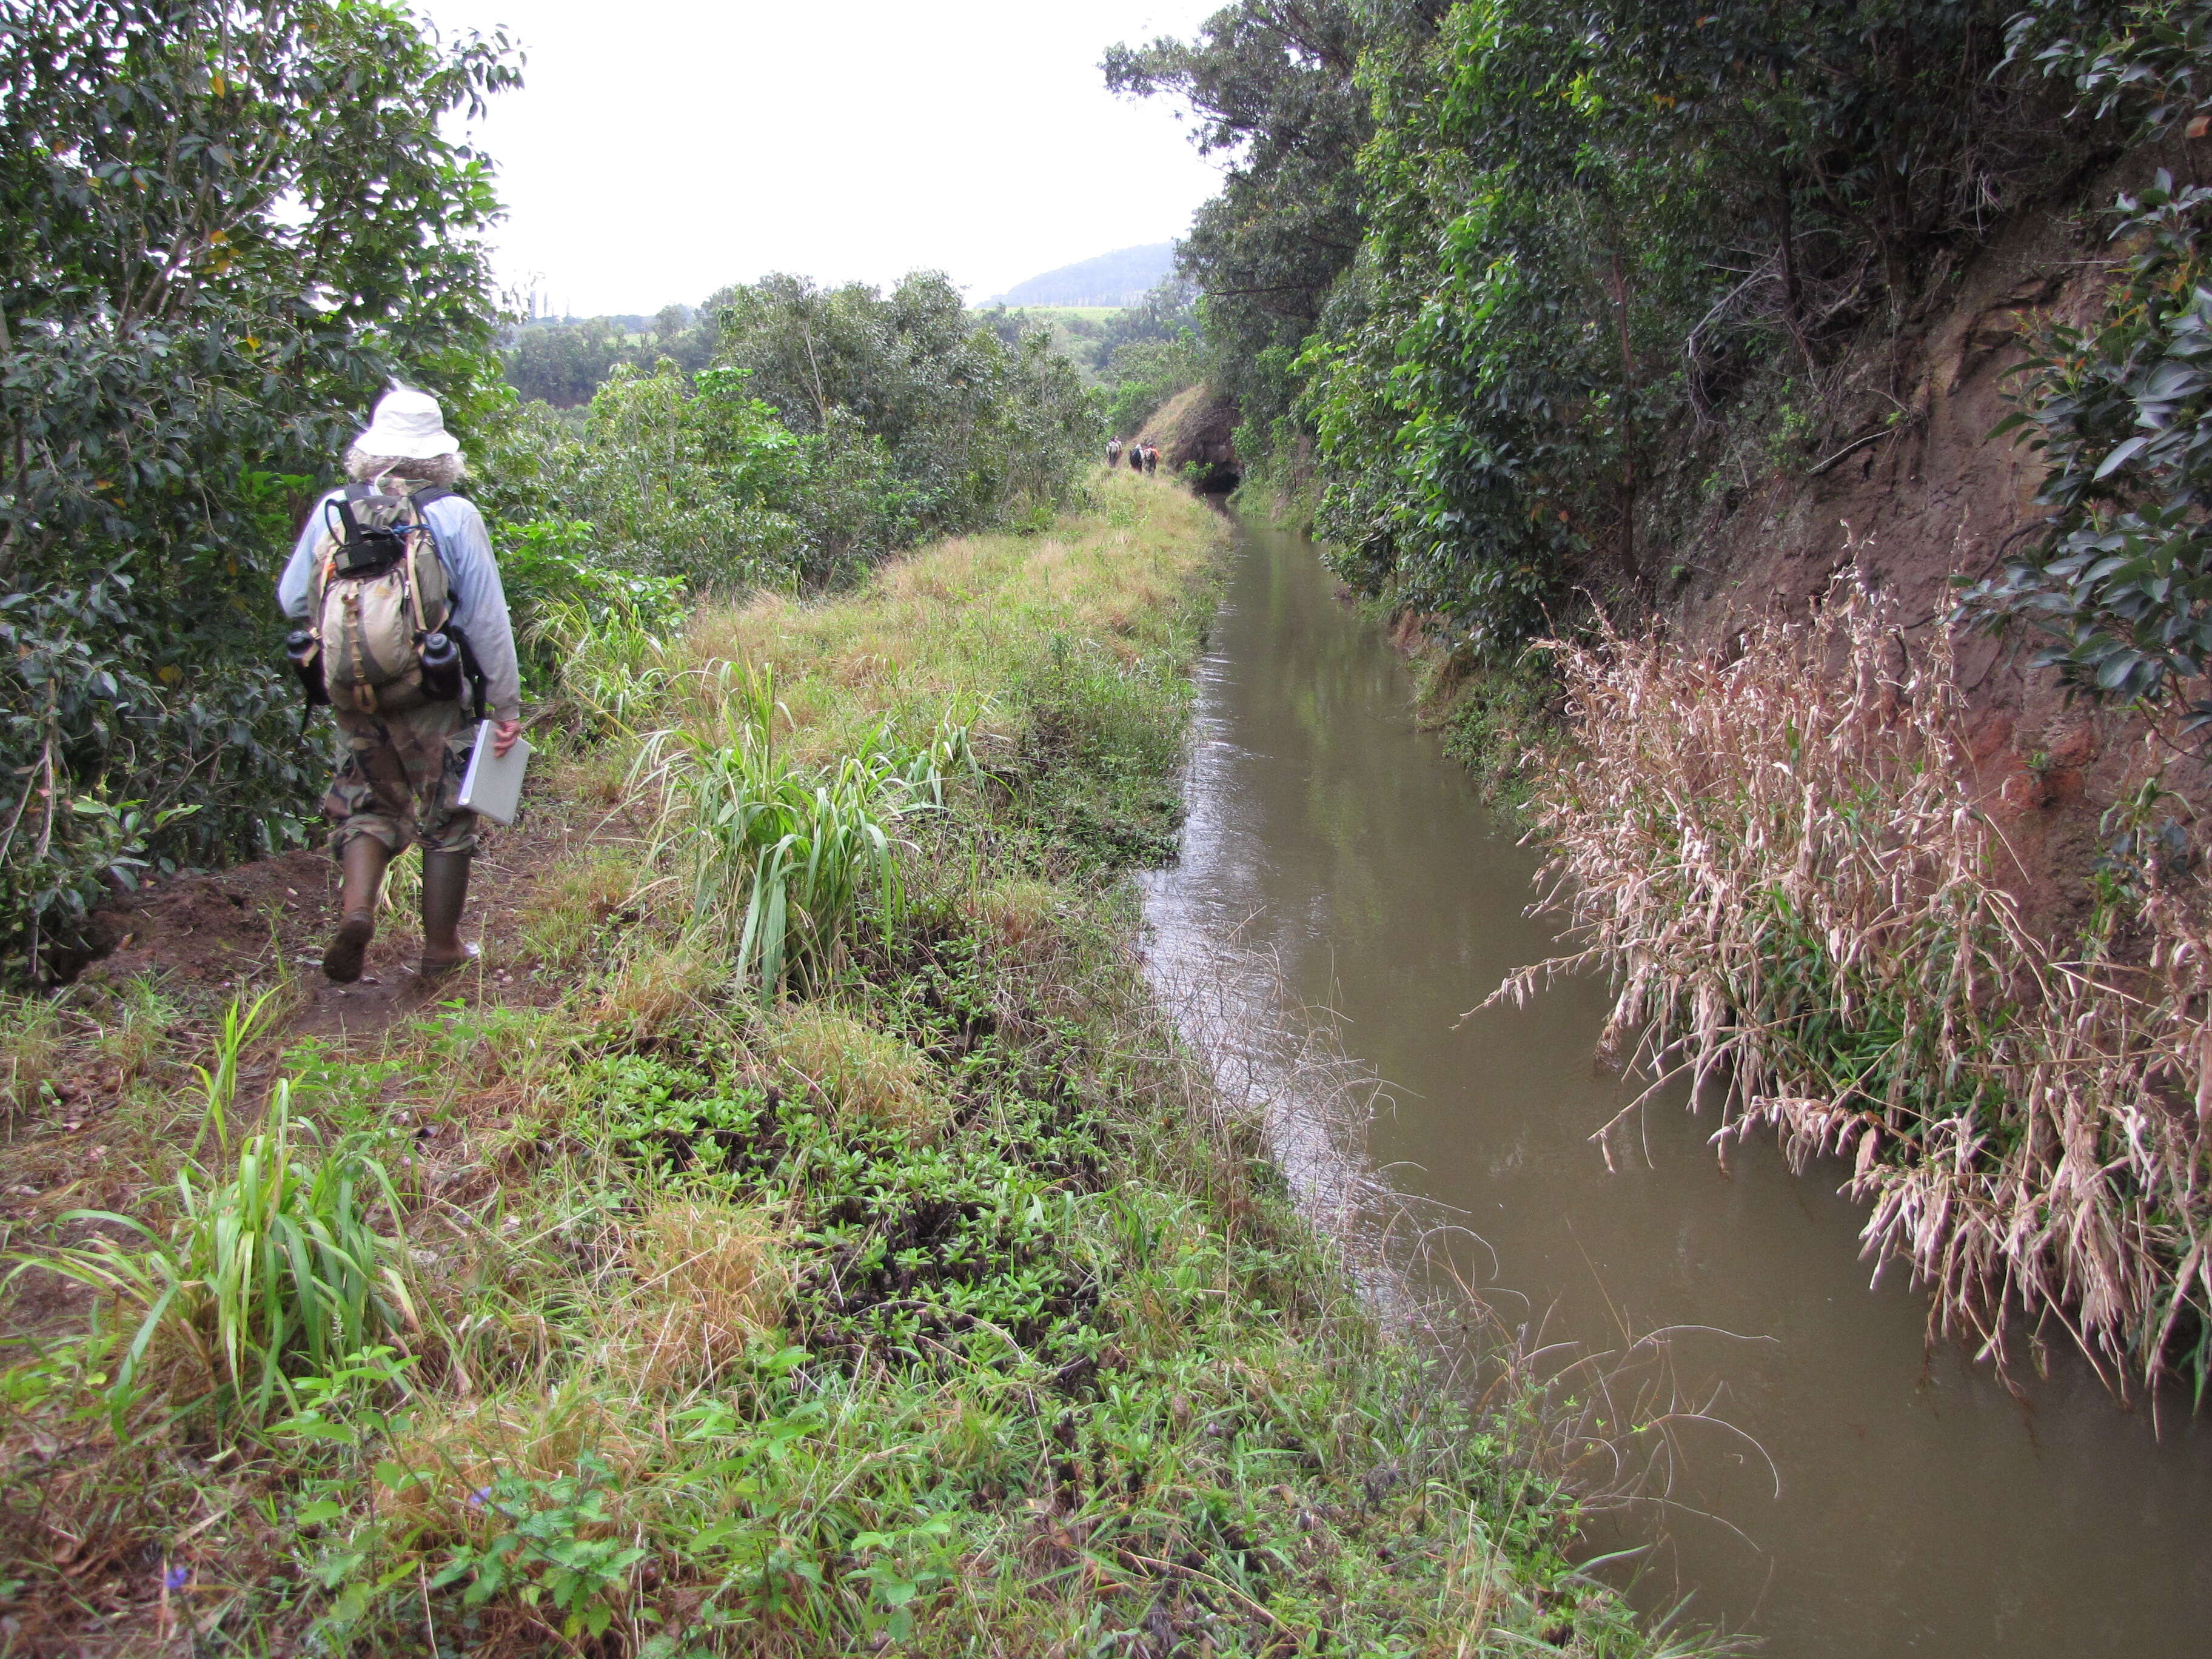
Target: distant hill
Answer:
[[1119, 278]]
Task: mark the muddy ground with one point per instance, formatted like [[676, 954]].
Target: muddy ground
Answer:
[[205, 936], [82, 1129]]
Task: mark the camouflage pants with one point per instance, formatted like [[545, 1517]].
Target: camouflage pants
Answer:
[[399, 777]]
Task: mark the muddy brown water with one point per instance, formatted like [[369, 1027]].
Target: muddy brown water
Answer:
[[1921, 1508]]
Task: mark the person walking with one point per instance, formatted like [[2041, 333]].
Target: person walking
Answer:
[[1113, 451], [394, 579], [1136, 456], [1151, 460]]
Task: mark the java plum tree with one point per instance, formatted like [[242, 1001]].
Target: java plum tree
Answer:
[[1271, 85], [917, 421], [229, 223], [1587, 227]]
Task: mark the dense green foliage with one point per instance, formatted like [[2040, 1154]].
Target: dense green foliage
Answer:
[[663, 477], [2122, 409], [960, 426], [1147, 353], [229, 224], [563, 363], [831, 427], [1500, 261]]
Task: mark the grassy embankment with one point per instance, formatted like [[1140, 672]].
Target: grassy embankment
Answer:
[[928, 1300]]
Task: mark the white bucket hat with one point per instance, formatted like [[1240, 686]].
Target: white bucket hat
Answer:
[[409, 426]]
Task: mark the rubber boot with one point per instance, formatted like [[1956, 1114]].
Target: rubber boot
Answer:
[[444, 890], [360, 866]]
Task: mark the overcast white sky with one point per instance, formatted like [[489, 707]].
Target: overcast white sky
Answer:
[[659, 149]]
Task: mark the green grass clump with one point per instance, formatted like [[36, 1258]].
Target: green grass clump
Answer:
[[30, 1042], [575, 904], [1501, 721], [942, 1308], [272, 1271]]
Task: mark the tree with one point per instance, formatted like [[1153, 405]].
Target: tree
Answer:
[[1272, 83], [2121, 409], [1587, 227], [563, 363], [228, 225], [661, 478], [970, 430]]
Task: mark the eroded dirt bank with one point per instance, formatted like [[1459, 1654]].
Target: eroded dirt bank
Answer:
[[1893, 474]]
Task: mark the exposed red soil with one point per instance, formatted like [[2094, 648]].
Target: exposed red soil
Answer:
[[1197, 429], [1933, 494]]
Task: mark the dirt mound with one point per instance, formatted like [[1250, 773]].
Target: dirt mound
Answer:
[[1197, 428], [211, 932]]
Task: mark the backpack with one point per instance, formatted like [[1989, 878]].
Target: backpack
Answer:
[[379, 588]]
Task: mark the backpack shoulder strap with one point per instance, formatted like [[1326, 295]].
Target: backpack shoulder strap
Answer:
[[421, 500], [319, 583], [343, 502]]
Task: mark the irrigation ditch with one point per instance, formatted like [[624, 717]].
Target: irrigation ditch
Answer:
[[1788, 1453]]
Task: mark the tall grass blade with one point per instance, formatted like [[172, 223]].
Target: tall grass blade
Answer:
[[1779, 860]]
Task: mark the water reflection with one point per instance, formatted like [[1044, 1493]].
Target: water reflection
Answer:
[[1922, 1509]]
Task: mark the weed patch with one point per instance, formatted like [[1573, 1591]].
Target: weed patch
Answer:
[[1501, 721]]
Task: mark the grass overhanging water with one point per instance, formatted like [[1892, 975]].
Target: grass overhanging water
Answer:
[[1778, 859]]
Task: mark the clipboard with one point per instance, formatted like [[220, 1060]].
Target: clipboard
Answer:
[[493, 785]]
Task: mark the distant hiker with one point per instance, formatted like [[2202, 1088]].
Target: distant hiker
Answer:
[[394, 579], [1136, 458], [1151, 460], [1113, 451]]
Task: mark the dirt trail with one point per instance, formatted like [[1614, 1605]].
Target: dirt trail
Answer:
[[87, 1140], [206, 936]]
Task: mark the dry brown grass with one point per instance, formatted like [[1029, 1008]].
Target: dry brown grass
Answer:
[[710, 1281], [658, 989], [457, 1447], [860, 1071], [1777, 860], [1021, 916]]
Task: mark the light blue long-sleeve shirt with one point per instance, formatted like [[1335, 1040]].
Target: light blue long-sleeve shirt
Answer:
[[478, 600]]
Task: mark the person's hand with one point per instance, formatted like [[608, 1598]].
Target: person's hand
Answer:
[[505, 734]]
